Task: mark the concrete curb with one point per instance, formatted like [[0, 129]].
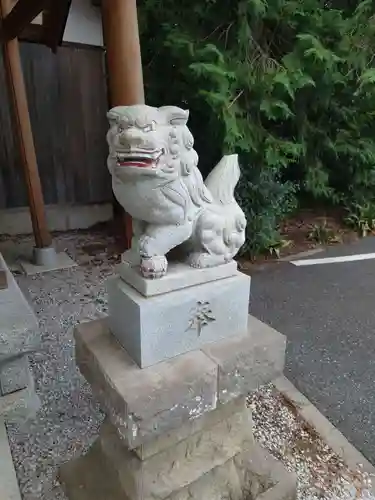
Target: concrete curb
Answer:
[[327, 431], [301, 255]]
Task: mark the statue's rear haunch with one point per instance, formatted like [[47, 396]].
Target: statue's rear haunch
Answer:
[[156, 179]]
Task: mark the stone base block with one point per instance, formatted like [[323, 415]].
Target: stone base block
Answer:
[[19, 335], [18, 399], [230, 414], [219, 462], [15, 375], [90, 478], [19, 406], [45, 263], [156, 328], [146, 403], [180, 465], [179, 276], [19, 328], [180, 429], [8, 480]]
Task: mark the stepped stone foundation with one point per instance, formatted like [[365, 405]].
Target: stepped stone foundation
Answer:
[[177, 356], [178, 429]]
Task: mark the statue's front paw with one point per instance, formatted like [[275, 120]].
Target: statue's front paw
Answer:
[[154, 267]]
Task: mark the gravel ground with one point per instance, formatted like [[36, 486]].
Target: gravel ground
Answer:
[[69, 419], [321, 473]]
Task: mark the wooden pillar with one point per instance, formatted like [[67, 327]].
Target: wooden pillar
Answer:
[[124, 62], [121, 39], [17, 93]]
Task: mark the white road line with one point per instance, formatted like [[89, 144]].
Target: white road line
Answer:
[[334, 260]]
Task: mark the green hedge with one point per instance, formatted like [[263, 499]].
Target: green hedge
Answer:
[[287, 84]]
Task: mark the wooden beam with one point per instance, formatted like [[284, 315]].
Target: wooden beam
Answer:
[[16, 19], [54, 22], [124, 62], [32, 33], [18, 23], [17, 93]]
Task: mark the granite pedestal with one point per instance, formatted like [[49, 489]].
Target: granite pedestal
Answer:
[[159, 326], [179, 429], [172, 366]]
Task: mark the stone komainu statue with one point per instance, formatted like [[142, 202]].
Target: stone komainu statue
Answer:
[[156, 179]]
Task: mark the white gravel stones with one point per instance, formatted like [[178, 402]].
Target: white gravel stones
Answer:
[[322, 474], [69, 419]]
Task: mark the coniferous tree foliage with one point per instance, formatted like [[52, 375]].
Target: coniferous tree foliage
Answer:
[[287, 84]]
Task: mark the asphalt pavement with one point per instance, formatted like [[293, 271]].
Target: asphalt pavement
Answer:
[[327, 313]]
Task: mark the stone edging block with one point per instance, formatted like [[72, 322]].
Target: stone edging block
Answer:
[[19, 336], [323, 427], [8, 481], [19, 328]]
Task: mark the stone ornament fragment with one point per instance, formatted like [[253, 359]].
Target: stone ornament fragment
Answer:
[[155, 178]]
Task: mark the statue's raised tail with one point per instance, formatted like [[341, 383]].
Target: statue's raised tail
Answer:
[[220, 229], [223, 179]]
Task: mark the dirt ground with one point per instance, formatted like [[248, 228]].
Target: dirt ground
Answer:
[[307, 231]]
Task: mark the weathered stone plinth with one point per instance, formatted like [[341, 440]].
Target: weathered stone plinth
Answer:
[[156, 327], [19, 336], [180, 429], [179, 276]]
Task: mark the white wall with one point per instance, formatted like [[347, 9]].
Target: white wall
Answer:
[[84, 24]]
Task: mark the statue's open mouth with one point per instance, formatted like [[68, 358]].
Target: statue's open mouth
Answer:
[[139, 159]]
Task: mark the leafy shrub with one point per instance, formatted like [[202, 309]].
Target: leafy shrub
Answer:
[[362, 218], [324, 234], [287, 84]]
